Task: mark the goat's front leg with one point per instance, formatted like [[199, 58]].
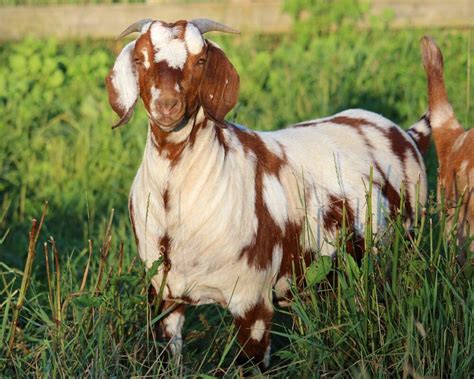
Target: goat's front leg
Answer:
[[171, 326], [254, 334]]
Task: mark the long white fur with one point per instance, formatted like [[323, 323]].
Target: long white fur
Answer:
[[124, 78]]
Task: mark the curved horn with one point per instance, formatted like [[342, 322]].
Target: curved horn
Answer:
[[135, 27], [205, 25]]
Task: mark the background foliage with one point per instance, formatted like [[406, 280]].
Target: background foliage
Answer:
[[56, 145]]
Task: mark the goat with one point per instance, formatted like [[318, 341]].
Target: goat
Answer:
[[225, 206], [454, 148]]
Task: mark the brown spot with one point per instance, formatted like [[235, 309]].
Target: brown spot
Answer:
[[291, 250], [166, 199], [252, 349], [219, 135], [169, 150], [164, 248], [338, 214], [267, 162], [269, 234], [219, 89], [393, 195]]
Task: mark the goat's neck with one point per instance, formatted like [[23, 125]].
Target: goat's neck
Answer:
[[172, 145]]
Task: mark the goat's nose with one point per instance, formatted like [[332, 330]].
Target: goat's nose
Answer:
[[168, 106]]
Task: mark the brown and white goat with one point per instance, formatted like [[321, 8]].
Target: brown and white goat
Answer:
[[454, 147], [227, 207]]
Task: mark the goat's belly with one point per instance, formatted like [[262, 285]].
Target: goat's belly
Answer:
[[234, 285]]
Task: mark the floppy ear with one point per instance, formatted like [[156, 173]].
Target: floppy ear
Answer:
[[122, 85], [220, 86]]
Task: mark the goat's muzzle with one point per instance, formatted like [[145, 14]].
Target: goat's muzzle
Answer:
[[168, 111]]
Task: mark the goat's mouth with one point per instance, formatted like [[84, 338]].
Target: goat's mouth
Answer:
[[170, 123]]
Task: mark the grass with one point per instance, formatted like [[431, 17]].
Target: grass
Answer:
[[88, 316], [407, 311]]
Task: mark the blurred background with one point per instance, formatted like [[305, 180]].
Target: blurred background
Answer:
[[298, 59]]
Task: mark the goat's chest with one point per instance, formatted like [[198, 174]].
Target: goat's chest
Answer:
[[198, 213]]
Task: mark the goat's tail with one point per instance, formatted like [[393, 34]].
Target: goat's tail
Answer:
[[420, 133], [440, 111]]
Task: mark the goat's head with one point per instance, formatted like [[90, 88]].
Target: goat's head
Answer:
[[175, 71]]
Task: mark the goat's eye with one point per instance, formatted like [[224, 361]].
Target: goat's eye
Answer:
[[201, 61], [137, 61]]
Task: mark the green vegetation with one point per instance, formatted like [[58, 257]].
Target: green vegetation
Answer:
[[56, 145]]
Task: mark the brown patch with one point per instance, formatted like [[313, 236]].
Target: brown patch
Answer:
[[355, 122], [219, 89], [252, 349], [400, 144], [174, 150], [291, 251], [269, 234], [391, 195], [334, 217], [164, 249], [176, 309], [267, 162], [338, 214], [166, 199], [219, 130]]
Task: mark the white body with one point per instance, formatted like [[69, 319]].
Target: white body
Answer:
[[211, 216]]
